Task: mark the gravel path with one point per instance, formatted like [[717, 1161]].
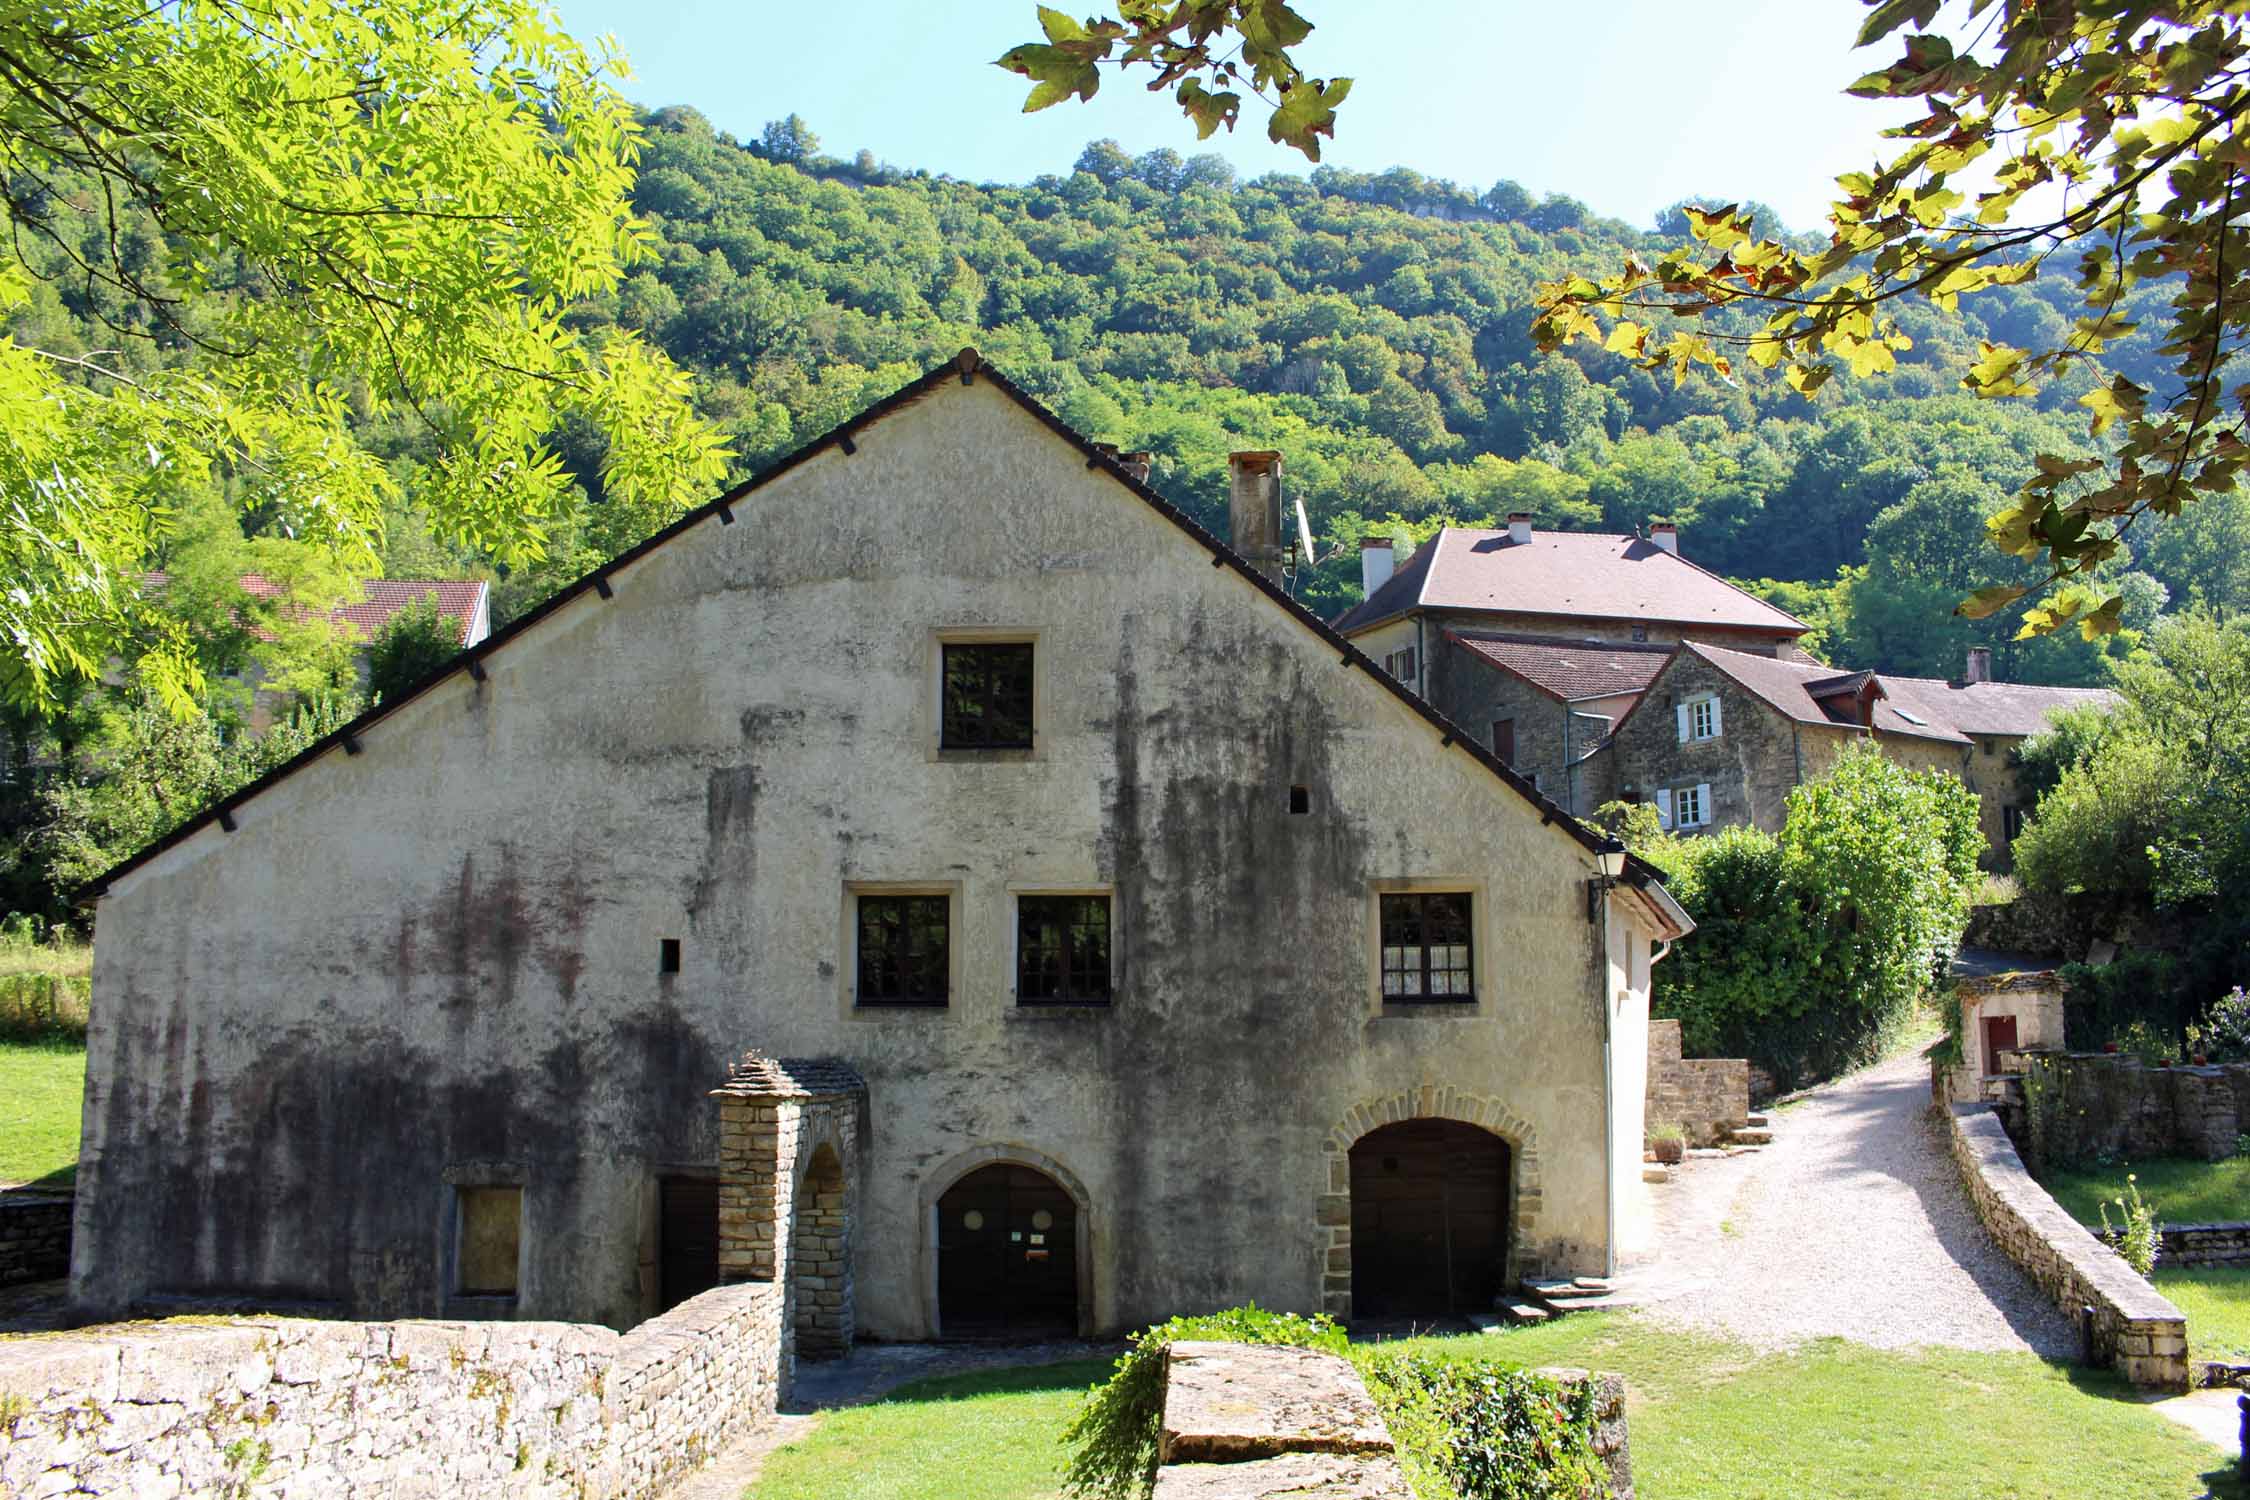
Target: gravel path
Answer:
[[1853, 1223]]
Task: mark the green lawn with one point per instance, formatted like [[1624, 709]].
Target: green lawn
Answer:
[[40, 1091], [1710, 1420], [2181, 1191], [2217, 1304]]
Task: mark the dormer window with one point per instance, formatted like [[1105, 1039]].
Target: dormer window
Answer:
[[1699, 718]]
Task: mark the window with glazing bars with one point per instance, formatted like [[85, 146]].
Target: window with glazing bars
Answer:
[[1062, 950], [1427, 950], [902, 950], [987, 697]]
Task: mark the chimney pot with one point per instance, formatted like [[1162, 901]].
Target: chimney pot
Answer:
[[1980, 664], [1519, 527], [1665, 535], [1254, 509], [1375, 557], [1138, 463]]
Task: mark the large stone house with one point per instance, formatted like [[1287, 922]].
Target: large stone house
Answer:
[[1135, 945], [1609, 667]]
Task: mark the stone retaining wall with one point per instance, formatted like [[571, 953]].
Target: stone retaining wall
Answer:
[[2135, 1328], [2199, 1244], [266, 1406], [1265, 1421], [1707, 1097], [2091, 1104], [34, 1236]]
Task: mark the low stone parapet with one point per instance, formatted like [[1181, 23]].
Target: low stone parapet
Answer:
[[267, 1406], [34, 1236], [2135, 1328], [1707, 1097], [2198, 1244]]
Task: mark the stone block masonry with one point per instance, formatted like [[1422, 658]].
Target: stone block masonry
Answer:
[[1707, 1097], [2135, 1328], [251, 1407], [34, 1236], [2199, 1244]]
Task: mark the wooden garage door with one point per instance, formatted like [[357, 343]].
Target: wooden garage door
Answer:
[[1429, 1220], [687, 1237]]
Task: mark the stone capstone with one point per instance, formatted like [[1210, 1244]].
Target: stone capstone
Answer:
[[1297, 1476], [1227, 1403]]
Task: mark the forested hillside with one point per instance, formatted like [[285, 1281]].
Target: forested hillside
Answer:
[[1375, 328]]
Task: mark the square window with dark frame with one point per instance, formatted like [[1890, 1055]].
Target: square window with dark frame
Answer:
[[1428, 953], [1062, 950], [987, 696], [904, 955]]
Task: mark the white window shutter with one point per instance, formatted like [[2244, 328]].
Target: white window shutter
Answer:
[[1664, 809], [1716, 727], [1685, 729], [1702, 803]]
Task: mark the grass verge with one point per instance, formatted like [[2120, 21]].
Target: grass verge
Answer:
[[1710, 1420], [41, 1086], [2217, 1303], [2181, 1191]]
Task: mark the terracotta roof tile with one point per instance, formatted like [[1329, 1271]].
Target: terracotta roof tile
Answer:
[[459, 600], [1589, 575], [1916, 707], [1570, 672], [2002, 708]]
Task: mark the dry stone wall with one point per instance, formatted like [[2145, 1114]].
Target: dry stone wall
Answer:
[[2135, 1328], [2084, 1105], [2225, 1244], [1707, 1097], [308, 1409], [34, 1236]]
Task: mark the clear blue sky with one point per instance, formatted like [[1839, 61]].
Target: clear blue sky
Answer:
[[1626, 104]]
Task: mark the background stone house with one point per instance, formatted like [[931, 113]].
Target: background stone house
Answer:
[[1178, 957], [1608, 667]]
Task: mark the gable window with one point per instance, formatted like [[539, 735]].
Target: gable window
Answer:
[[1504, 740], [1428, 953], [1062, 950], [904, 952], [1400, 664], [987, 696], [1684, 807], [1699, 718], [489, 1244]]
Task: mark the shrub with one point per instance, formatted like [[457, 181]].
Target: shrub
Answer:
[[1634, 823], [2137, 1240], [2224, 1033], [2100, 1001], [1811, 947], [1116, 1432], [44, 983], [414, 643], [1485, 1431]]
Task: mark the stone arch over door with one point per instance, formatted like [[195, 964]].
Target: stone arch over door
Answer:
[[953, 1170], [1332, 1215]]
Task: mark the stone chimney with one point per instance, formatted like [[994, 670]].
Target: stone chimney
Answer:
[[1138, 463], [1374, 564], [1665, 535], [1980, 664], [1519, 527], [1254, 509]]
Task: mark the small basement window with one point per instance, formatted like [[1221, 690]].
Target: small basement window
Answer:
[[1062, 950], [904, 950], [987, 696], [1428, 951], [1300, 799], [489, 1246], [668, 956]]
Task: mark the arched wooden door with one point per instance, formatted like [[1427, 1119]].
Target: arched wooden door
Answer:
[[1429, 1220], [1007, 1256]]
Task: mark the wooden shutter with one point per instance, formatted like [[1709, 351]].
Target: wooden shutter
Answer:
[[1686, 728], [1716, 727], [1664, 808], [1702, 803], [1504, 739]]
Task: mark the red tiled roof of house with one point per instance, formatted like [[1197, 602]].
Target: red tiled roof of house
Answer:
[[460, 600], [1785, 684], [1999, 708], [1590, 575], [1570, 672]]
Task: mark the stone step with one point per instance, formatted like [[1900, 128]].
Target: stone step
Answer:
[[1524, 1313], [1756, 1121], [1593, 1286], [1756, 1135], [1655, 1172], [1566, 1291]]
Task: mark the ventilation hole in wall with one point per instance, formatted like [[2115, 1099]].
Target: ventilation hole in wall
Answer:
[[1300, 799], [668, 956]]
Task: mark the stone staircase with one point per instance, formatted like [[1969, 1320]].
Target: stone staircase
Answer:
[[1537, 1301]]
